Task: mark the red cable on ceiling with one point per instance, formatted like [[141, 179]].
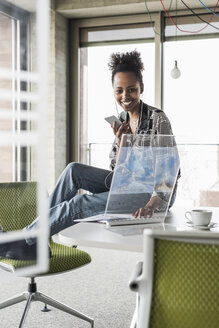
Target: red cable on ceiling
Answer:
[[172, 20], [199, 17]]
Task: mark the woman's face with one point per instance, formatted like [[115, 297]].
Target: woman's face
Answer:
[[127, 90]]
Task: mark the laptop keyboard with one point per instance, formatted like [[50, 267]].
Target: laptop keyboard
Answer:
[[132, 221]]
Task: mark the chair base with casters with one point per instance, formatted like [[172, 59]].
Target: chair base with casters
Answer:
[[18, 208], [33, 295]]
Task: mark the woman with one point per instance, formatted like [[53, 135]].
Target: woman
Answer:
[[137, 117], [65, 205]]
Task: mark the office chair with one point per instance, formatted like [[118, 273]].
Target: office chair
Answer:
[[177, 284], [18, 208]]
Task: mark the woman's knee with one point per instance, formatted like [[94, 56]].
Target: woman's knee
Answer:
[[68, 171], [75, 170], [71, 167]]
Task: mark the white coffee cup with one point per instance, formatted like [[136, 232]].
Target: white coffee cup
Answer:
[[199, 217]]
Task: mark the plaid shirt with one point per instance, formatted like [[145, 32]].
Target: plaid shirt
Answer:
[[151, 121]]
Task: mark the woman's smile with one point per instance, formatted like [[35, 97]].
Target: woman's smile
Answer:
[[126, 103]]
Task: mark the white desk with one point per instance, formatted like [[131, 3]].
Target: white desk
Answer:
[[127, 238]]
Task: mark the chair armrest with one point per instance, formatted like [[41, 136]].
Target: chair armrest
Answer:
[[136, 277]]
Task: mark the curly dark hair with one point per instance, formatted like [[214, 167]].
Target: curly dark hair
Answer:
[[126, 62]]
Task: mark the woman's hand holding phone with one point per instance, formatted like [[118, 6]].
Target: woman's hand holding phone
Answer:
[[112, 119], [119, 128], [123, 129]]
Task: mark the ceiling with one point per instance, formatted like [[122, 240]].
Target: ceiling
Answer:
[[101, 8], [97, 8], [29, 5]]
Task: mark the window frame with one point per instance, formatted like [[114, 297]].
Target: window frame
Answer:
[[21, 29], [75, 26], [75, 83]]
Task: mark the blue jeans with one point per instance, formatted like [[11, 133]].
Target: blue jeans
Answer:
[[65, 205]]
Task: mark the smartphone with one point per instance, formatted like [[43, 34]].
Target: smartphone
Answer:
[[112, 119]]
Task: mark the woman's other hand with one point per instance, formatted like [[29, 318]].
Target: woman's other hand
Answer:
[[148, 209], [146, 212]]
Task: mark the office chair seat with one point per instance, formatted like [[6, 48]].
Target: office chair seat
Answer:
[[64, 258]]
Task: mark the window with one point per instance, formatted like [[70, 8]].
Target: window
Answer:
[[97, 99], [14, 56], [23, 123], [191, 104], [191, 101]]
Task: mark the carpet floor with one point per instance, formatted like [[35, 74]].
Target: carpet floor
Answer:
[[99, 290]]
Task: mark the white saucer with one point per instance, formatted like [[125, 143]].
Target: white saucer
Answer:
[[202, 227]]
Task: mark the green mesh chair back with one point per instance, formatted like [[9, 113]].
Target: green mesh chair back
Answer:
[[186, 285], [18, 204], [18, 208]]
